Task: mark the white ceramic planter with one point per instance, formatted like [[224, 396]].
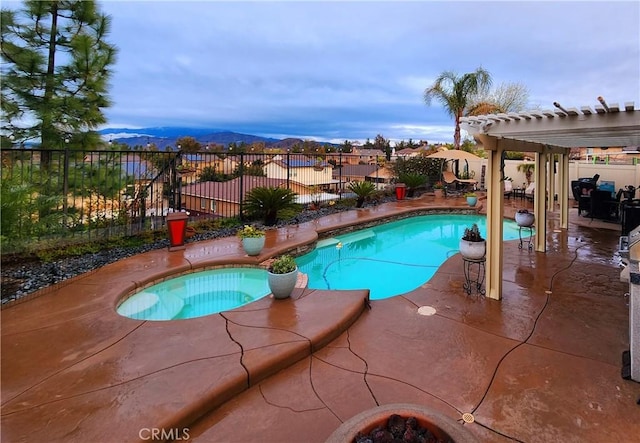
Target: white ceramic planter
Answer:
[[525, 219], [473, 250], [282, 285], [253, 245]]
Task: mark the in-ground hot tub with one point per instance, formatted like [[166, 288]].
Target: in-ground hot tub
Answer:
[[197, 294]]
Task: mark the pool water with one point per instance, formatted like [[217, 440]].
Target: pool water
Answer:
[[197, 294], [388, 259], [392, 258]]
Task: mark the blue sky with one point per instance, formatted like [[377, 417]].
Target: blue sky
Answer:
[[335, 71]]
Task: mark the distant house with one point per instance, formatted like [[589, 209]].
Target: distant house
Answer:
[[350, 173], [358, 156], [136, 179], [408, 153], [304, 171], [369, 156], [356, 173], [611, 154], [196, 163], [222, 199]]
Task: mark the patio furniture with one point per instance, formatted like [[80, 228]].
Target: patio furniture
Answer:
[[530, 191], [455, 184], [508, 188], [518, 193], [582, 189], [603, 206], [629, 215]]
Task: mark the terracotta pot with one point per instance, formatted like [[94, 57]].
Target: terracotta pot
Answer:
[[439, 193]]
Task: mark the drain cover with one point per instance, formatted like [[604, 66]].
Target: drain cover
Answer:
[[468, 417], [426, 310]]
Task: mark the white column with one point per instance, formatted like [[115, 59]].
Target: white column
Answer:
[[551, 182], [563, 192], [495, 210], [634, 321], [539, 203]]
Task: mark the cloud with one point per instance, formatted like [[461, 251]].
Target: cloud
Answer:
[[352, 70]]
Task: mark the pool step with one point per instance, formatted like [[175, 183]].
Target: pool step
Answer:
[[302, 281]]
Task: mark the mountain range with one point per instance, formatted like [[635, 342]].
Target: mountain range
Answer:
[[164, 137]]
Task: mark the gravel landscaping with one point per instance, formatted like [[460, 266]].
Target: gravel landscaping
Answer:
[[23, 278]]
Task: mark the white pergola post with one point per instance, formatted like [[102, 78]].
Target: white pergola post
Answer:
[[495, 210], [551, 182], [563, 192], [539, 202]]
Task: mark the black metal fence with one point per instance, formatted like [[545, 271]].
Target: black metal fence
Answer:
[[49, 195]]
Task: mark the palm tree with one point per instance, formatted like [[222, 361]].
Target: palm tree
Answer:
[[455, 92], [528, 169], [482, 108]]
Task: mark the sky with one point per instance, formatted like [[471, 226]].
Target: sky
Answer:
[[350, 70]]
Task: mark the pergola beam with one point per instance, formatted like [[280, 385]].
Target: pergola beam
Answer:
[[602, 128]]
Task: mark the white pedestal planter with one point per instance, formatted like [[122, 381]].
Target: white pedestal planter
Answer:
[[525, 219], [473, 250]]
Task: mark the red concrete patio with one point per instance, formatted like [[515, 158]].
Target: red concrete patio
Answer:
[[542, 365]]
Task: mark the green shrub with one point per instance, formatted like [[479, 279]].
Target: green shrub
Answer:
[[362, 190], [413, 181], [267, 202], [249, 231], [283, 265]]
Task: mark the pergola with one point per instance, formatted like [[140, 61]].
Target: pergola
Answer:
[[546, 133]]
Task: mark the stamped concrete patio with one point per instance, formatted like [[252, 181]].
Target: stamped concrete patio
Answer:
[[542, 365]]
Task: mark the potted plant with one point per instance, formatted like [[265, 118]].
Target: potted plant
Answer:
[[252, 239], [524, 218], [472, 198], [282, 275], [438, 189], [472, 245]]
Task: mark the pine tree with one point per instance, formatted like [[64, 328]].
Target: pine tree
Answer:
[[55, 73]]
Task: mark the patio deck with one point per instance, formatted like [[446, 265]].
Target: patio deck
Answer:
[[542, 365]]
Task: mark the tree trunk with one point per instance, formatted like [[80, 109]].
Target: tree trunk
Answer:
[[48, 131]]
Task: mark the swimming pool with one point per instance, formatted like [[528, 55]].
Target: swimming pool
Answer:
[[392, 258], [389, 259], [197, 294]]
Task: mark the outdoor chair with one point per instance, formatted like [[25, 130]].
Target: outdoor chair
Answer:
[[508, 189], [455, 184], [604, 206], [530, 191]]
